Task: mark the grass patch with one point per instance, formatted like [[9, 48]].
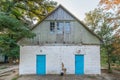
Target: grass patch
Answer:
[[3, 67], [118, 69], [15, 78]]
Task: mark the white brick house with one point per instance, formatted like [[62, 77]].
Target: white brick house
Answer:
[[62, 43]]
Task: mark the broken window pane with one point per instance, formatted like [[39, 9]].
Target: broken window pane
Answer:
[[52, 26], [60, 26]]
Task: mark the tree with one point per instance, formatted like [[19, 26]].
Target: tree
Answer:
[[27, 10], [99, 22], [111, 5], [11, 30], [114, 6], [116, 46], [16, 17]]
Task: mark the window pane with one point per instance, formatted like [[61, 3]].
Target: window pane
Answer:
[[67, 27], [60, 27], [52, 26]]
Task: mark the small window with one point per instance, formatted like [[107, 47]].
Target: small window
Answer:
[[60, 27], [52, 26], [67, 27]]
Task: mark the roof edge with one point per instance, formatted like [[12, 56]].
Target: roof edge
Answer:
[[71, 15]]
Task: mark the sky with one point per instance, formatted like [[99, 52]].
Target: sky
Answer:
[[79, 7]]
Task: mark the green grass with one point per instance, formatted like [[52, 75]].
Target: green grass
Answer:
[[3, 67], [15, 78], [117, 68]]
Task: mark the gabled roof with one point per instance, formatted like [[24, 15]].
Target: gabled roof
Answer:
[[60, 6]]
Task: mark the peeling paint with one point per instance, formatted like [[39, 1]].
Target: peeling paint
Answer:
[[56, 55]]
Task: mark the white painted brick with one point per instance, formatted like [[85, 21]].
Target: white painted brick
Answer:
[[55, 55]]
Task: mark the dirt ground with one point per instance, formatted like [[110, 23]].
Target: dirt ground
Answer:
[[9, 75], [11, 72], [103, 76], [8, 72]]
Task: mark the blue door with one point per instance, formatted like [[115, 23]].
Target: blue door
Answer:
[[41, 65], [79, 64]]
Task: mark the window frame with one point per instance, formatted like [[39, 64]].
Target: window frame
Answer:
[[52, 27], [66, 28], [62, 25], [62, 28]]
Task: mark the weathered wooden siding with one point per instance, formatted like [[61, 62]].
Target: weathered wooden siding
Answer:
[[84, 35], [79, 34], [60, 14]]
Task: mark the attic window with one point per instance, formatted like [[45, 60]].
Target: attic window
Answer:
[[52, 26], [60, 27], [67, 27]]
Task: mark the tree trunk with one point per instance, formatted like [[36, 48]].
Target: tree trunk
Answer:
[[109, 62]]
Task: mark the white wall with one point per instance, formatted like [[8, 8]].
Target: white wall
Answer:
[[55, 55]]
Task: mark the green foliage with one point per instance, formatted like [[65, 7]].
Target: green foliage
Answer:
[[11, 30], [27, 10], [103, 57], [15, 18], [100, 23]]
